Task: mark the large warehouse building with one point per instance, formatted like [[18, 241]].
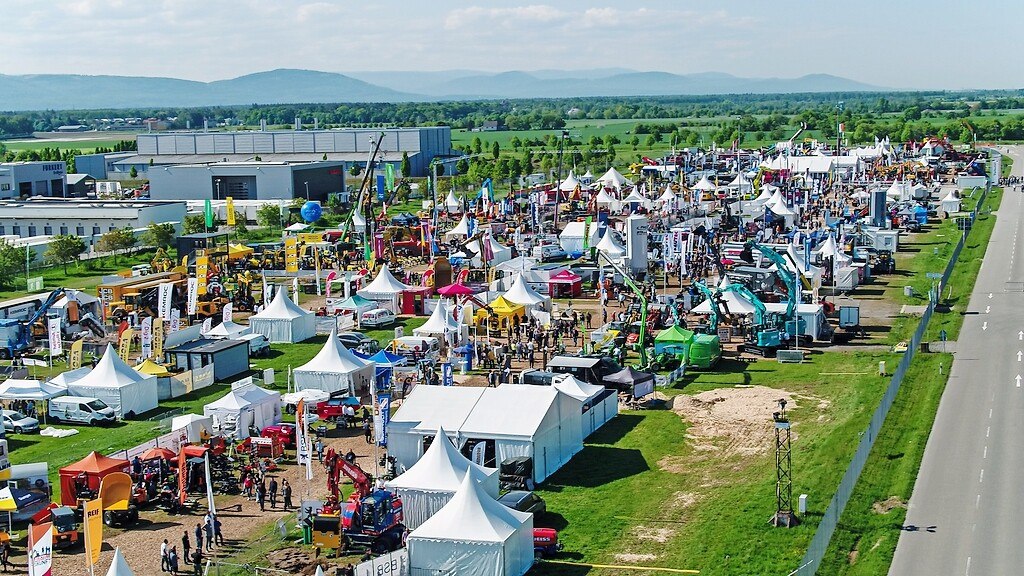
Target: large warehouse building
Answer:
[[349, 146], [24, 179], [84, 218], [247, 180]]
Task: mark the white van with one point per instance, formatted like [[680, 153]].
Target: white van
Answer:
[[259, 346], [377, 318], [80, 409], [418, 347]]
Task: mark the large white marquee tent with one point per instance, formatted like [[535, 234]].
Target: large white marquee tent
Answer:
[[284, 321], [335, 369], [117, 384], [385, 290]]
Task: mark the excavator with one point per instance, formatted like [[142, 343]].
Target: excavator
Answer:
[[370, 518], [16, 336], [764, 336], [641, 343], [790, 279]]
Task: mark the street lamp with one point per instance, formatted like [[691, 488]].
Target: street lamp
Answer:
[[839, 110]]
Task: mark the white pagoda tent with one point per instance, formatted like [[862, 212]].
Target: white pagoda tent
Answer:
[[335, 369], [668, 199], [605, 200], [358, 221], [117, 384], [499, 252], [575, 235], [385, 290], [949, 203], [473, 534], [781, 210], [614, 179], [741, 184], [283, 320], [451, 203], [435, 478], [522, 293], [461, 229], [599, 404], [587, 178], [610, 246], [119, 566], [635, 197], [704, 185], [228, 329], [440, 324], [570, 183]]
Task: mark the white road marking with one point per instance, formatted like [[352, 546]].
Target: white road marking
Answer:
[[981, 477], [1018, 380], [985, 454], [987, 430], [990, 413], [988, 309], [984, 325], [1020, 335], [968, 572], [977, 500], [1020, 353]]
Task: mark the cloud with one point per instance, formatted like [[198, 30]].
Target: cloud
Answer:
[[511, 17]]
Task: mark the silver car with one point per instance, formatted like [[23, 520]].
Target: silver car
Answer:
[[18, 423]]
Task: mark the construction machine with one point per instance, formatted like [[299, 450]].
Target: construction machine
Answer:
[[117, 493], [370, 518], [65, 525], [791, 324], [641, 343], [765, 335], [16, 335]]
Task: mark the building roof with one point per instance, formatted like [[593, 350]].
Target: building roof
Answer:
[[207, 346], [247, 159], [73, 179]]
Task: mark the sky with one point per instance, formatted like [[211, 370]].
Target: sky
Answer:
[[895, 44]]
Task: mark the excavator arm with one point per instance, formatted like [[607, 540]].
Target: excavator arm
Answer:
[[716, 311], [790, 279], [760, 312], [643, 306]]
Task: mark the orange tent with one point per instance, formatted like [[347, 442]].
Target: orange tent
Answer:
[[158, 454], [94, 466]]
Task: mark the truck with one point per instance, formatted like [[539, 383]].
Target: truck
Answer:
[[16, 335]]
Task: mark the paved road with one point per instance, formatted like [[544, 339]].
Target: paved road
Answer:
[[967, 508]]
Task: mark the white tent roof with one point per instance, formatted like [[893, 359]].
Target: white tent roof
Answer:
[[230, 401], [780, 209], [440, 321], [765, 195], [604, 197], [517, 264], [333, 357], [574, 230], [119, 566], [384, 283], [431, 407], [65, 378], [740, 181], [570, 183], [452, 203], [309, 396], [442, 468], [776, 198], [667, 196], [461, 229], [522, 293], [297, 227], [635, 196], [179, 422], [896, 189], [358, 221], [578, 389], [227, 330], [609, 245], [15, 389], [110, 370], [588, 175], [516, 411], [281, 307], [614, 179], [704, 185], [734, 303], [472, 515], [950, 196]]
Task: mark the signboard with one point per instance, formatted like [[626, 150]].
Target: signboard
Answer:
[[399, 332], [124, 347], [392, 564], [93, 531], [147, 337], [202, 269], [53, 329], [381, 187], [447, 374], [247, 381], [35, 284], [75, 356], [384, 409], [193, 295], [291, 254], [229, 208], [40, 550], [158, 338], [724, 335], [268, 377], [175, 320], [310, 238]]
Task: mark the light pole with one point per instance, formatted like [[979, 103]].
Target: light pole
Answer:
[[839, 137], [558, 178], [307, 191]]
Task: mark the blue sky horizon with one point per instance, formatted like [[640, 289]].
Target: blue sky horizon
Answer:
[[894, 45]]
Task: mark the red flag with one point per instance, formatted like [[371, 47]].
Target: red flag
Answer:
[[182, 472]]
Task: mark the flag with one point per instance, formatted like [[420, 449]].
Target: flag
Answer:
[[164, 295], [182, 476], [147, 337], [208, 213], [75, 355], [40, 549], [158, 338], [54, 332], [226, 312], [209, 487], [193, 295], [175, 320], [330, 276], [384, 413], [389, 177], [229, 208], [207, 326], [586, 232], [93, 529], [295, 290], [125, 345], [486, 251]]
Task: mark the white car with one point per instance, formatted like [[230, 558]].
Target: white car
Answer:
[[18, 423], [377, 318]]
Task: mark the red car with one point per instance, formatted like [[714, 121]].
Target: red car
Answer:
[[285, 434], [334, 408]]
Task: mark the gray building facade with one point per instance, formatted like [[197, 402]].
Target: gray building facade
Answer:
[[247, 181], [103, 166], [85, 218], [25, 179]]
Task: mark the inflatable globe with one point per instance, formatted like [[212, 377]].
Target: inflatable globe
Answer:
[[311, 211]]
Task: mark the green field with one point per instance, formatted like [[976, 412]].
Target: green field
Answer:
[[83, 145]]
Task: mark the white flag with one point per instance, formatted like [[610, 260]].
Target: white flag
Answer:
[[228, 309], [164, 300], [53, 327], [147, 337], [295, 290], [207, 326], [209, 487], [175, 320], [193, 295]]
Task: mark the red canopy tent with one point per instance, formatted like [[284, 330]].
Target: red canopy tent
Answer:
[[456, 289], [158, 454], [565, 284], [93, 467]]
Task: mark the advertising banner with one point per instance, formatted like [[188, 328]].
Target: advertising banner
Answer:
[[75, 355], [164, 300], [158, 339], [53, 331], [229, 208], [40, 550], [193, 295], [147, 337], [93, 515], [291, 254], [124, 346], [202, 269]]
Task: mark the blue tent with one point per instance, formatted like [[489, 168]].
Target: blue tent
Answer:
[[385, 358]]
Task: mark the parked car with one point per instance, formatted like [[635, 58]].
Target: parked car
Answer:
[[259, 346], [354, 340], [551, 253], [80, 409], [377, 318], [285, 433], [524, 501], [18, 423], [418, 347], [334, 408]]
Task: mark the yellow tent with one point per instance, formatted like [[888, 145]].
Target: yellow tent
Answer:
[[239, 251], [152, 368], [503, 311]]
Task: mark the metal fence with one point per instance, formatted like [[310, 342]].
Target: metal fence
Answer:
[[830, 519]]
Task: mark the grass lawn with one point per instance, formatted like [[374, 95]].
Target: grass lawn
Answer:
[[640, 475], [81, 276], [84, 145]]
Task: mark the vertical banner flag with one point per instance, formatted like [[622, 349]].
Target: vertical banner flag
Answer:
[[93, 514], [182, 478], [384, 406], [165, 291], [53, 329], [229, 208], [486, 250], [586, 232], [147, 337], [291, 254], [209, 486], [202, 269], [207, 326], [380, 187], [40, 550], [193, 295], [125, 345], [389, 177], [208, 213], [75, 356], [158, 339], [175, 320], [227, 311], [301, 454], [327, 283], [295, 290], [447, 375]]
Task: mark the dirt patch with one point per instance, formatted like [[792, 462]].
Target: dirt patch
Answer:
[[684, 499], [888, 505], [730, 421], [636, 557], [652, 534]]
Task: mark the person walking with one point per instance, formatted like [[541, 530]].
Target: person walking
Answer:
[[199, 536], [319, 447], [261, 496], [197, 561], [209, 532], [273, 492], [286, 494], [165, 566], [5, 555], [185, 546], [367, 431], [217, 534], [172, 560]]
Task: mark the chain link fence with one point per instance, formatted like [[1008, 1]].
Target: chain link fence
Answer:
[[830, 519]]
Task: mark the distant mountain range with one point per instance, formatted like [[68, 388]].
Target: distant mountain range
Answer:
[[287, 86]]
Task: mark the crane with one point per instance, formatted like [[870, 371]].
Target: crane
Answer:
[[642, 340], [16, 335]]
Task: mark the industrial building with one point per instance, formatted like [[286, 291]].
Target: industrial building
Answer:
[[348, 145], [103, 165], [83, 218], [24, 179], [247, 180]]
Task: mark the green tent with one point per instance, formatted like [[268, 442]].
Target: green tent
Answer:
[[674, 340]]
